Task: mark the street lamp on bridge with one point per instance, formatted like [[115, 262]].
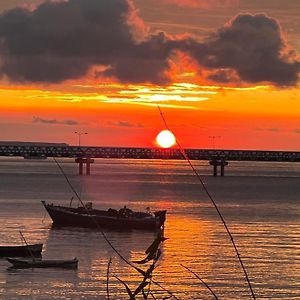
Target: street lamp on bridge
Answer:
[[213, 137], [79, 136]]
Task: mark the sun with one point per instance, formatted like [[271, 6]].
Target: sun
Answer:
[[165, 139]]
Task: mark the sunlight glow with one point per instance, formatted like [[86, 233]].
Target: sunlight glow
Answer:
[[165, 139]]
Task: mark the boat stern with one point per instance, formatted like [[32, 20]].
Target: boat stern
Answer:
[[160, 217]]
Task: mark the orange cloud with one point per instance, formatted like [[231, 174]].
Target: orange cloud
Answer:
[[203, 3]]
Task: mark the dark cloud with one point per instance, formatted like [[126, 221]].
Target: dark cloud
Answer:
[[258, 129], [63, 40], [274, 129], [125, 124], [70, 122], [297, 130], [145, 62], [223, 76], [251, 45], [54, 121]]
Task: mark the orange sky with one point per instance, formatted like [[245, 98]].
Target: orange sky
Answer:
[[242, 115]]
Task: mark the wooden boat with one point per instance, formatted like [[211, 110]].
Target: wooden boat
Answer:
[[122, 219], [43, 263], [23, 250]]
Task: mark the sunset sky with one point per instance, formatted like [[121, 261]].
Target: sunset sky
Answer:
[[222, 71]]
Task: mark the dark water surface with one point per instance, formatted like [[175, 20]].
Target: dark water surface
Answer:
[[260, 202]]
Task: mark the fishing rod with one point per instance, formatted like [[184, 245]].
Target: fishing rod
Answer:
[[214, 204]]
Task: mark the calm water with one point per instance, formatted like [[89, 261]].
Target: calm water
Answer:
[[260, 202]]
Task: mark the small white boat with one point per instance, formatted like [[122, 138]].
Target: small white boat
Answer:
[[43, 263]]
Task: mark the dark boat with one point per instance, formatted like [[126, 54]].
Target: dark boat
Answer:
[[122, 219], [24, 250], [43, 263]]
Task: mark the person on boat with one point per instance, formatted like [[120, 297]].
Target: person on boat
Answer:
[[125, 212], [89, 205]]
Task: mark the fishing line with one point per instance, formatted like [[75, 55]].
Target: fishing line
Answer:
[[206, 285], [213, 202], [43, 220]]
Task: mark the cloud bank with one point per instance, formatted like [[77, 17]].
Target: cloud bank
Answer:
[[54, 121], [125, 124], [60, 40], [253, 47]]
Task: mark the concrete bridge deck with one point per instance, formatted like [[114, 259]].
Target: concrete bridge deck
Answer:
[[31, 150]]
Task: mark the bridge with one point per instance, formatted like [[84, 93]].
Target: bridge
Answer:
[[85, 155]]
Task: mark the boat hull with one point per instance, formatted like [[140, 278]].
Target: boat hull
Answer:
[[39, 263], [24, 250], [80, 217]]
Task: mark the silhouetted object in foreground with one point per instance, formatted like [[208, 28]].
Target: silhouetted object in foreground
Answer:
[[153, 253], [21, 251], [122, 219], [40, 263]]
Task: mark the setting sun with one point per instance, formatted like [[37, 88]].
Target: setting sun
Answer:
[[165, 139]]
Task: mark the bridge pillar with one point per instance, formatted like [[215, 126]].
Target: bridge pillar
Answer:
[[216, 162], [88, 168], [222, 169], [215, 166], [80, 168], [87, 161]]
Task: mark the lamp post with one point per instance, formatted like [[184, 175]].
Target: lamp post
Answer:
[[79, 136], [213, 137]]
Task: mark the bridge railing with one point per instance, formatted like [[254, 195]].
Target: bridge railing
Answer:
[[146, 153]]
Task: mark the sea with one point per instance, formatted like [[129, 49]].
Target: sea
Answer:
[[260, 202]]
